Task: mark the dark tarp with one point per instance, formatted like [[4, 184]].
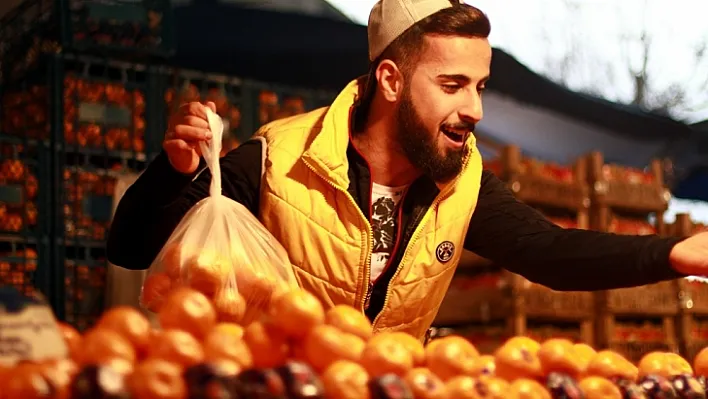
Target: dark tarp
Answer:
[[324, 53]]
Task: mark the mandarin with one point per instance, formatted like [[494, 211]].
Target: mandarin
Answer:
[[178, 347], [600, 388], [525, 388], [518, 358], [296, 312], [157, 379], [386, 355], [72, 338], [609, 364], [221, 344], [325, 344], [229, 305], [559, 355], [129, 323], [346, 380], [451, 356], [268, 345], [100, 345], [425, 384], [188, 310], [155, 288], [349, 320]]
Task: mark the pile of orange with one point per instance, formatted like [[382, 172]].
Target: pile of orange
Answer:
[[297, 349]]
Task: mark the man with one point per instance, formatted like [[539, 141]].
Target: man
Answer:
[[375, 197]]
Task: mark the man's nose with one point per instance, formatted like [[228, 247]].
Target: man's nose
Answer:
[[471, 111]]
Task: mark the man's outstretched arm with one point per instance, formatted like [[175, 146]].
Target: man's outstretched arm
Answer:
[[517, 237]]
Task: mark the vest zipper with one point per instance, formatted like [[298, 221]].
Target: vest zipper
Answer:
[[413, 239], [369, 244]]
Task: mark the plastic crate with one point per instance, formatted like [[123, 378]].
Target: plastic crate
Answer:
[[24, 206], [273, 102], [228, 93], [85, 288], [130, 27]]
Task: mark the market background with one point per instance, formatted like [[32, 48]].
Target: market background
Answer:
[[86, 87]]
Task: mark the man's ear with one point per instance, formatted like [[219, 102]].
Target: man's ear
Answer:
[[390, 80]]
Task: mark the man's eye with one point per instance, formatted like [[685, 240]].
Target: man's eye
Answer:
[[450, 88]]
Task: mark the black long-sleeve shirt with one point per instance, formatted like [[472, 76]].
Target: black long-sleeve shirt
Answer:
[[502, 229]]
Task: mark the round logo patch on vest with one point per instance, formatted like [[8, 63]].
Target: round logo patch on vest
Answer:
[[445, 251]]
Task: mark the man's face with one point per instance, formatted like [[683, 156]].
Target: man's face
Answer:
[[441, 103]]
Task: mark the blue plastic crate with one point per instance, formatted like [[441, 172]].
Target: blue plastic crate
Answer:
[[110, 27]]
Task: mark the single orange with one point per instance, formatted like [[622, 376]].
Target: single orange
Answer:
[[178, 347], [609, 364], [664, 364], [155, 288], [451, 356], [558, 354], [525, 388], [229, 305], [584, 353], [229, 328], [346, 380], [483, 366], [296, 312], [425, 384], [157, 379], [268, 345], [349, 320], [222, 344], [414, 346], [188, 310], [518, 358], [100, 345], [325, 344], [700, 363], [72, 338], [129, 323], [27, 382], [599, 387], [59, 374], [462, 387], [207, 272], [386, 355], [491, 387], [173, 261]]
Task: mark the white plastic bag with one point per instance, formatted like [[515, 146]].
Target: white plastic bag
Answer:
[[222, 250]]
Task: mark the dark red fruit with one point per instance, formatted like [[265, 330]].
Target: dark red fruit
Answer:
[[657, 387], [99, 382], [205, 381], [629, 389], [389, 386], [301, 382], [260, 384], [563, 386], [688, 387]]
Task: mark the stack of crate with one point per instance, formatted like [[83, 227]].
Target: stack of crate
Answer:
[[632, 321], [76, 109], [692, 323], [488, 304]]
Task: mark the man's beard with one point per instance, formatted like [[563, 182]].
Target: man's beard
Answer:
[[421, 147]]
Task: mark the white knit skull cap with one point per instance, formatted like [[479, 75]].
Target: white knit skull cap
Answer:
[[390, 18]]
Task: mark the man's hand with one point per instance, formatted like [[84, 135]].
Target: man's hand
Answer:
[[186, 129], [690, 256]]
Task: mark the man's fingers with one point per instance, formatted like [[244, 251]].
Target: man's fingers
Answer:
[[211, 105], [190, 133], [194, 109], [196, 122]]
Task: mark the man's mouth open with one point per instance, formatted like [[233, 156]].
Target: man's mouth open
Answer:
[[457, 137]]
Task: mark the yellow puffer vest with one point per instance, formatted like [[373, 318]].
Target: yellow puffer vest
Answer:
[[306, 206]]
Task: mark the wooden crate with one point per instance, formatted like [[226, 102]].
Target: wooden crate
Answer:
[[544, 184], [693, 330], [634, 341], [502, 296], [619, 187]]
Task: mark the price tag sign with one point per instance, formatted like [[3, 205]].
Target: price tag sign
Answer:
[[28, 330]]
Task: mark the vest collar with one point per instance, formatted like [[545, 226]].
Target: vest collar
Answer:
[[328, 150]]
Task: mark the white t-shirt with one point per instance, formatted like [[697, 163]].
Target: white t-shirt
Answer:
[[384, 223]]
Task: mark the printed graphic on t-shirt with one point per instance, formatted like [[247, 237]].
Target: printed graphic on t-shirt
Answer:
[[384, 224]]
